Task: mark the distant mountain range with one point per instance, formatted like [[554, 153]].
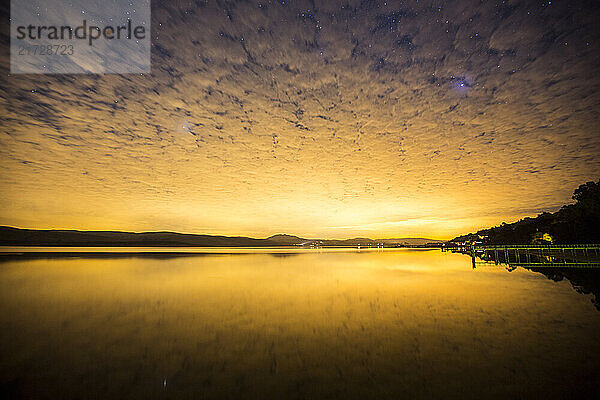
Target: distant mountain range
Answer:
[[10, 236], [295, 240]]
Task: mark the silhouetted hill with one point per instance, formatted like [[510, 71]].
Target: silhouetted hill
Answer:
[[573, 223], [295, 240], [29, 237], [10, 236], [287, 239]]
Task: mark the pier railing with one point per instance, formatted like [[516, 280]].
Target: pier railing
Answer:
[[575, 255]]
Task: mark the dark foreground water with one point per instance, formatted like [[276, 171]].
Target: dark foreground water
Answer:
[[377, 324]]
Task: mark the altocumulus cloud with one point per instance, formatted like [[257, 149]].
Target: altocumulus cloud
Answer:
[[332, 119]]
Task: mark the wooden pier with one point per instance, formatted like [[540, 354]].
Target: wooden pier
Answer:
[[576, 255]]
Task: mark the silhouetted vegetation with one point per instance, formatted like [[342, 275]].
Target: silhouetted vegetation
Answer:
[[573, 223]]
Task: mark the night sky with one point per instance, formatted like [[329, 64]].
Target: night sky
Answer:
[[331, 119]]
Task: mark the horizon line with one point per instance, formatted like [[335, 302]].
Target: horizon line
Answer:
[[221, 235]]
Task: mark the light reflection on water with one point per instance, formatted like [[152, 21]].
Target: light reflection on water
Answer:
[[381, 324]]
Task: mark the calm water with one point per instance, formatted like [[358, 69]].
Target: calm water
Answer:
[[311, 324]]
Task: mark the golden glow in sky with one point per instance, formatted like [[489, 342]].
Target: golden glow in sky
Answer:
[[342, 124]]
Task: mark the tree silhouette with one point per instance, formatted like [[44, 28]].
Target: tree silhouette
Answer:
[[573, 223]]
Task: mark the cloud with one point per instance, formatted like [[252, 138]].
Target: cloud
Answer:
[[261, 118]]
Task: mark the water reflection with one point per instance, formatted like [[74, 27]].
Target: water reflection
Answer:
[[394, 324], [579, 264]]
